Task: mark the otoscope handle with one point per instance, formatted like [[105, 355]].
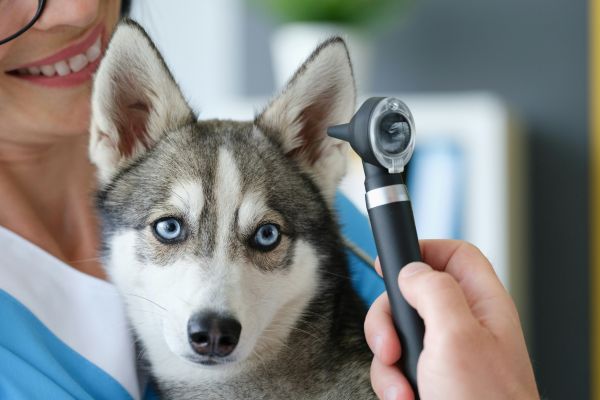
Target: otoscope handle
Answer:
[[397, 244]]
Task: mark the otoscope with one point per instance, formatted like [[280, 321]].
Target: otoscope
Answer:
[[382, 133]]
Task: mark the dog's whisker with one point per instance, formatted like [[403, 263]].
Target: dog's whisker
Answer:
[[276, 341], [145, 298], [294, 328], [152, 312], [142, 353], [256, 354], [308, 313], [337, 275]]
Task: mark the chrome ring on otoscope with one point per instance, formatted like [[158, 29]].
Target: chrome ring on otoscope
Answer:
[[386, 195]]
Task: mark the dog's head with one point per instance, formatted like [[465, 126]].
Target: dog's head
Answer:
[[214, 231]]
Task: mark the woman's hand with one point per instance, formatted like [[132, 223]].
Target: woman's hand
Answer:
[[473, 347]]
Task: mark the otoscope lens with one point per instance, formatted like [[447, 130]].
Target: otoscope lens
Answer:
[[393, 133]]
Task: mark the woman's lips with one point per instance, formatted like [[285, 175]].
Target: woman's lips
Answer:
[[69, 67]]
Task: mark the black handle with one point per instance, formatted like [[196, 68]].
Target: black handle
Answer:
[[397, 244]]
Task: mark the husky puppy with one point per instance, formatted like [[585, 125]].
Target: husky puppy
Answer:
[[220, 235]]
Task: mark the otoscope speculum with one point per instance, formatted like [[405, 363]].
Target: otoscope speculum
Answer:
[[392, 134]]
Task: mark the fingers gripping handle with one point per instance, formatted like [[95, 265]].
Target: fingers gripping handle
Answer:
[[397, 245]]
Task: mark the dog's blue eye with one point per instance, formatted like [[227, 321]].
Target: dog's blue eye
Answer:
[[266, 237], [168, 229]]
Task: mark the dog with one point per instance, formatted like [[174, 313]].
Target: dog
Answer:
[[221, 235]]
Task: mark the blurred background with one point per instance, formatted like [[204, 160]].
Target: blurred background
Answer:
[[499, 92]]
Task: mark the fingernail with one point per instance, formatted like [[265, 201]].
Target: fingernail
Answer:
[[378, 342], [414, 268], [391, 393]]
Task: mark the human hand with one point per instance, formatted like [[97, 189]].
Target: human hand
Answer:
[[473, 346]]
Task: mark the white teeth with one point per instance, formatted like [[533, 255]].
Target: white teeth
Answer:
[[48, 70], [65, 67], [93, 52], [78, 62], [62, 68]]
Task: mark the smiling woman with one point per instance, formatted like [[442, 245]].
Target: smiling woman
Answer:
[[53, 341], [45, 87]]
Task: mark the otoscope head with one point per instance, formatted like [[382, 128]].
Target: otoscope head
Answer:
[[382, 132]]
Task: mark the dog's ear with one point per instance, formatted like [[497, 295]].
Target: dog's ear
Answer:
[[135, 100], [320, 94]]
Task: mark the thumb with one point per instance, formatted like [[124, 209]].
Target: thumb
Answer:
[[436, 296]]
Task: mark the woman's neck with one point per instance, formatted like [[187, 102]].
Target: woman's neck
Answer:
[[45, 196]]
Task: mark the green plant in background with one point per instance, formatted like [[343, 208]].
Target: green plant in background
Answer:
[[343, 12]]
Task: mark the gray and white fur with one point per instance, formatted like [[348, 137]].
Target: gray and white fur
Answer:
[[301, 321]]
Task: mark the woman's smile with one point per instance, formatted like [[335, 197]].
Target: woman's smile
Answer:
[[46, 73], [71, 66]]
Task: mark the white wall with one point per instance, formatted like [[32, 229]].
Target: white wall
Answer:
[[200, 41]]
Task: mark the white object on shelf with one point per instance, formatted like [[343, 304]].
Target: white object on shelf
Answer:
[[292, 43]]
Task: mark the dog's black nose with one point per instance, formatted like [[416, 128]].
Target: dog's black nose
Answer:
[[213, 335]]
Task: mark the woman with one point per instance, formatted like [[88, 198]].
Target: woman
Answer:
[[64, 333]]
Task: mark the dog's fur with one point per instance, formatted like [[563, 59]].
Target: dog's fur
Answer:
[[301, 320]]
